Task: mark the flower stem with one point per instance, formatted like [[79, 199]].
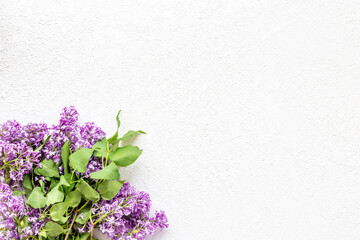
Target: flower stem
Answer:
[[72, 223], [92, 232]]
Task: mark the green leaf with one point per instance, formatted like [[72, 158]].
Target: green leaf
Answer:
[[42, 145], [72, 185], [53, 229], [27, 193], [27, 182], [73, 199], [48, 169], [130, 134], [54, 183], [58, 210], [85, 212], [65, 152], [113, 138], [80, 159], [88, 192], [63, 181], [63, 220], [55, 195], [43, 234], [126, 137], [125, 156], [109, 189], [100, 148], [36, 198], [42, 185], [109, 172], [18, 192]]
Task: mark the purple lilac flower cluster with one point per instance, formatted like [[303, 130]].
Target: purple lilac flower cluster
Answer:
[[17, 143], [68, 129], [126, 216], [13, 213], [12, 209]]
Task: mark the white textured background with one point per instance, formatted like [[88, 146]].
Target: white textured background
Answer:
[[252, 108]]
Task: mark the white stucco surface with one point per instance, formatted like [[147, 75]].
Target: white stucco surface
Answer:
[[252, 108]]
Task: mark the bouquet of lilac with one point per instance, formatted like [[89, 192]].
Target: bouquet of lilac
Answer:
[[62, 182]]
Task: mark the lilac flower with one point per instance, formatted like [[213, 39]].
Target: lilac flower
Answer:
[[35, 133], [17, 143], [36, 223], [68, 129], [128, 215], [90, 134], [18, 158], [12, 209], [11, 131], [13, 212], [93, 166]]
